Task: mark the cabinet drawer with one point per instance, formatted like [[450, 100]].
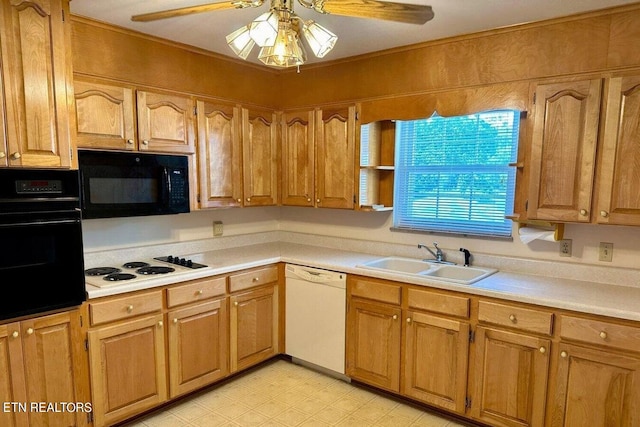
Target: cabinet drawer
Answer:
[[436, 302], [253, 278], [125, 307], [515, 317], [600, 332], [196, 290], [384, 292]]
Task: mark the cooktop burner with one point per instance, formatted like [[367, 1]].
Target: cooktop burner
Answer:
[[116, 277], [101, 271], [155, 270], [135, 264]]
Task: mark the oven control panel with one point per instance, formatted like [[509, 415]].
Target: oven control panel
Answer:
[[26, 186]]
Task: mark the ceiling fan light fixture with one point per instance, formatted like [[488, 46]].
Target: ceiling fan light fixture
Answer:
[[287, 51], [241, 42], [264, 29], [320, 40]]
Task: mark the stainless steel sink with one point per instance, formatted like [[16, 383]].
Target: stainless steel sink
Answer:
[[441, 272]]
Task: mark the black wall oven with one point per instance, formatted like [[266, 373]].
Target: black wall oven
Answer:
[[41, 254]]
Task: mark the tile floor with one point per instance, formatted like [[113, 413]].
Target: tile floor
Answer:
[[281, 393]]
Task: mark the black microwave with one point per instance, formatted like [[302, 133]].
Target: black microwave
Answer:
[[122, 184]]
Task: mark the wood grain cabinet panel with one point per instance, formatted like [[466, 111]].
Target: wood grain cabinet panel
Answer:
[[298, 158], [219, 154], [34, 41], [563, 149], [619, 174], [510, 376], [595, 388], [260, 157], [198, 346], [435, 360]]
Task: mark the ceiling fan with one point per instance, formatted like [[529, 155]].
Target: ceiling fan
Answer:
[[277, 32]]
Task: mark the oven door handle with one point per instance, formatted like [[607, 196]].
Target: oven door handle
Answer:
[[42, 222]]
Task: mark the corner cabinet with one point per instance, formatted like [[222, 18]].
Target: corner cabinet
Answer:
[[36, 78], [578, 125], [297, 133], [120, 117]]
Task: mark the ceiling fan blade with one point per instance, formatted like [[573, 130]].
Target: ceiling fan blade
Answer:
[[163, 14], [400, 12]]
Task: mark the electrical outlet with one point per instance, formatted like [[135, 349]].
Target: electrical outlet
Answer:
[[565, 247], [605, 252], [217, 228]]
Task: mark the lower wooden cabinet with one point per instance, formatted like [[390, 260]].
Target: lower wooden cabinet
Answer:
[[128, 368], [510, 376], [373, 343], [42, 363], [198, 346]]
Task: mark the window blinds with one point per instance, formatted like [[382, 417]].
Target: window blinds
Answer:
[[453, 173]]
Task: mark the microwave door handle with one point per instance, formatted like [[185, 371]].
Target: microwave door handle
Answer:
[[167, 184]]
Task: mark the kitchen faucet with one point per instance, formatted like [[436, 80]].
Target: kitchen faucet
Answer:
[[438, 255]]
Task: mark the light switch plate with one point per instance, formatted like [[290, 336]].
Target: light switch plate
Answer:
[[605, 252], [217, 228], [565, 247]]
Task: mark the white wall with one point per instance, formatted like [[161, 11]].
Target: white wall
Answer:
[[103, 234]]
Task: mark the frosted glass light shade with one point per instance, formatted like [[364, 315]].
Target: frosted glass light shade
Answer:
[[264, 29], [287, 50], [320, 40], [240, 42]]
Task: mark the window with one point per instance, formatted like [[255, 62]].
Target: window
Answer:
[[453, 173]]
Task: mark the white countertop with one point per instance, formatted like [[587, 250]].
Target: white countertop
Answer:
[[590, 297]]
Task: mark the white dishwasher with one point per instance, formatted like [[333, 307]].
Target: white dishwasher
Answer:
[[315, 317]]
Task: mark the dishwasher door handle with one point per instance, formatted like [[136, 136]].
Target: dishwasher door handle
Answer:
[[313, 276]]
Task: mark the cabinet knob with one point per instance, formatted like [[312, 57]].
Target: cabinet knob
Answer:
[[239, 200], [129, 308], [175, 320], [256, 279], [583, 212], [513, 318], [563, 354], [603, 335], [199, 292], [248, 199], [3, 154], [160, 323], [15, 334], [16, 155], [543, 350], [129, 141], [30, 331], [309, 199], [145, 142], [317, 200], [604, 214], [408, 319], [395, 317], [235, 303]]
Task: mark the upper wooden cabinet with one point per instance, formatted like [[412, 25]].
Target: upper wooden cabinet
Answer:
[[260, 157], [563, 149], [36, 77], [335, 157], [298, 158], [111, 116], [618, 199], [570, 131], [219, 154]]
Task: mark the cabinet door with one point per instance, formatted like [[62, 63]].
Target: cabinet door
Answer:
[[335, 157], [165, 122], [596, 388], [198, 346], [563, 148], [260, 157], [52, 354], [219, 155], [619, 176], [127, 368], [12, 382], [36, 73], [435, 360], [373, 344], [253, 327], [105, 116], [510, 378], [298, 158]]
